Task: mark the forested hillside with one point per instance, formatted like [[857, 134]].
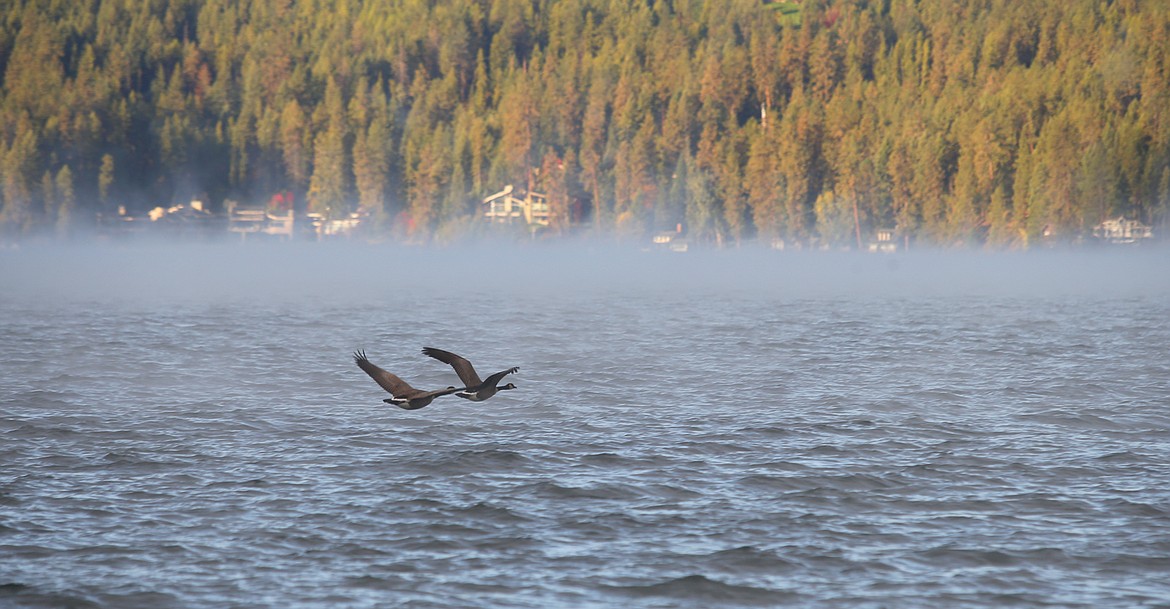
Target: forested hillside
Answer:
[[957, 122]]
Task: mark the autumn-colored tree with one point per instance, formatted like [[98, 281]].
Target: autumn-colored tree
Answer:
[[765, 187], [593, 147], [703, 219], [327, 185], [835, 219], [963, 122], [16, 168], [66, 201], [555, 184], [294, 138], [519, 127], [371, 164], [428, 173]]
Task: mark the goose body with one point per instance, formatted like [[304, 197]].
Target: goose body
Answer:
[[475, 389], [404, 396]]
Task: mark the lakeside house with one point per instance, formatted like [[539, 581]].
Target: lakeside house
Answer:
[[336, 227], [181, 220], [884, 241], [268, 220], [1122, 231], [508, 207], [672, 241]]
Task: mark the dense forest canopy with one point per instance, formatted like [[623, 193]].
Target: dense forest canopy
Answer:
[[959, 122]]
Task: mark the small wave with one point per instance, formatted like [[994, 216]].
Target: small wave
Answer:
[[145, 600], [862, 482], [750, 558], [958, 557], [606, 459], [436, 544], [418, 505], [768, 431], [252, 483], [374, 582], [1082, 420], [959, 507], [932, 396], [701, 589], [464, 461], [1129, 564], [602, 491], [27, 596], [28, 552], [670, 492], [1124, 456], [484, 511], [777, 483], [103, 550], [134, 462], [715, 447], [1135, 508], [31, 430], [43, 399]]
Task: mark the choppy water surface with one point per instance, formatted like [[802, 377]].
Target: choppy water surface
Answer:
[[856, 432]]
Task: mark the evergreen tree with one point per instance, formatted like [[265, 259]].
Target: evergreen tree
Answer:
[[328, 184], [294, 134], [371, 163], [16, 167], [105, 179], [66, 201], [964, 122]]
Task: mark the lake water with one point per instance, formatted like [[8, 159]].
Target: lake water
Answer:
[[184, 427]]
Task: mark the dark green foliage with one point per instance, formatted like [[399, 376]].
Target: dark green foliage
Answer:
[[976, 121]]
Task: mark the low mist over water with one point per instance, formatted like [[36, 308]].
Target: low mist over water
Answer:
[[183, 425], [410, 275]]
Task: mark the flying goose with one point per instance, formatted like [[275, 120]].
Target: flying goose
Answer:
[[405, 396], [475, 390]]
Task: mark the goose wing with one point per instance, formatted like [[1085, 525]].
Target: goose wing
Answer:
[[462, 367], [439, 392], [494, 379], [396, 386]]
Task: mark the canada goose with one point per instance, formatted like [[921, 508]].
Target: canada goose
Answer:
[[405, 396], [476, 390]]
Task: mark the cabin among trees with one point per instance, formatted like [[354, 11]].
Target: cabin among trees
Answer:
[[1121, 230], [885, 240], [509, 207], [964, 123]]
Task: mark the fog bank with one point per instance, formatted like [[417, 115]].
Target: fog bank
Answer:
[[146, 272]]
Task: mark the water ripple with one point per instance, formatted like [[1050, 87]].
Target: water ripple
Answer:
[[662, 451]]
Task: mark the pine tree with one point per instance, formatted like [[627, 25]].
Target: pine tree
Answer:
[[327, 184], [957, 122], [293, 137], [765, 187], [371, 163], [105, 179], [66, 201]]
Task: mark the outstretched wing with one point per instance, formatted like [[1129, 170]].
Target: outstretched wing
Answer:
[[494, 379], [396, 386], [447, 391], [462, 367]]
